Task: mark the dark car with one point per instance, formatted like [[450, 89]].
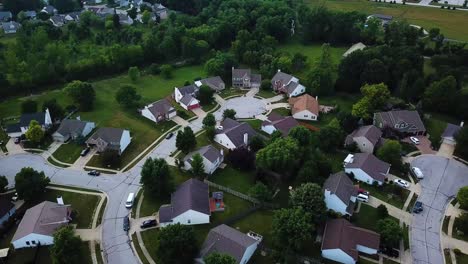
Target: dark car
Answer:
[[126, 223], [169, 135], [85, 151], [17, 140], [418, 207], [149, 223], [94, 173]]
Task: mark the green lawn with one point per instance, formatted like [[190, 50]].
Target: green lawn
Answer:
[[283, 111], [451, 23], [138, 248], [445, 224], [462, 258], [367, 217], [456, 227], [3, 140], [383, 193], [68, 152], [258, 222], [150, 240], [255, 124], [232, 92], [203, 140], [435, 126], [230, 177], [266, 93], [30, 255]]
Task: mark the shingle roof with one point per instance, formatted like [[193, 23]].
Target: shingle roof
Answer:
[[161, 107], [186, 99], [370, 164], [304, 102], [240, 73], [12, 25], [5, 15], [189, 89], [70, 126], [451, 131], [255, 78], [215, 83], [43, 218], [27, 118], [5, 206], [235, 131], [282, 77], [383, 17], [209, 152], [341, 234], [341, 185], [372, 133], [406, 120], [109, 135], [226, 240], [282, 123], [190, 195]]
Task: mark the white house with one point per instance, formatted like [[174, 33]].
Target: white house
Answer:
[[211, 156], [287, 84], [366, 167], [186, 96], [276, 122], [215, 83], [109, 138], [366, 138], [72, 129], [305, 107], [232, 134], [159, 111], [18, 129], [11, 27], [39, 223], [340, 193], [190, 205], [227, 240], [342, 241]]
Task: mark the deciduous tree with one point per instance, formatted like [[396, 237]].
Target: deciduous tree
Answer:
[[28, 106], [66, 247], [261, 192], [55, 109], [34, 132], [205, 95], [209, 120], [127, 96], [3, 183], [219, 258], [133, 73], [82, 93], [462, 141], [166, 71], [291, 228], [374, 97], [309, 196], [198, 168], [390, 152], [229, 113], [462, 197], [185, 140], [176, 244], [279, 156], [390, 232], [156, 178], [30, 183]]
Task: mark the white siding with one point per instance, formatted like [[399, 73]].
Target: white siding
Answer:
[[59, 137], [248, 253], [360, 175], [300, 89], [125, 140], [37, 238], [334, 203], [191, 217], [338, 255], [88, 128], [171, 115], [223, 140], [210, 167], [366, 250], [146, 113], [15, 134], [177, 94], [305, 115], [269, 129]]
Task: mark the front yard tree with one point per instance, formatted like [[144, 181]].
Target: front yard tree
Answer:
[[256, 143], [166, 71], [198, 168], [111, 158], [35, 132], [30, 183], [219, 258], [462, 197], [185, 140], [127, 96], [374, 97], [229, 113], [82, 94], [210, 132], [266, 85], [156, 178], [462, 141], [209, 120], [28, 106], [390, 232], [302, 135], [330, 137], [205, 95], [291, 228], [261, 192], [279, 156], [309, 196], [66, 247], [177, 244], [133, 73], [390, 152]]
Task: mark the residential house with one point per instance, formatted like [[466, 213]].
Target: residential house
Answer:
[[58, 20], [277, 122], [232, 134], [50, 10], [73, 16], [211, 156], [73, 129], [355, 47], [161, 11], [11, 27], [405, 122], [366, 138], [190, 205], [305, 107], [159, 111], [186, 96], [7, 209], [366, 167], [287, 84], [109, 138], [224, 239], [450, 132], [340, 193], [342, 241], [245, 79], [384, 19], [30, 14], [125, 19], [215, 83], [18, 129], [39, 224], [5, 16]]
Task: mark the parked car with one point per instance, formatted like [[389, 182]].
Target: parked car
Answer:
[[149, 223], [85, 151], [362, 197], [360, 190], [401, 183], [17, 140], [418, 207], [168, 136], [15, 197], [417, 172], [414, 140], [126, 223], [94, 173]]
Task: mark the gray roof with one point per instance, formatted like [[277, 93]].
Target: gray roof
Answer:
[[190, 195], [43, 218], [110, 135], [226, 240], [371, 132], [406, 120], [30, 13], [282, 77], [189, 89], [49, 9], [209, 152], [451, 131], [71, 126], [161, 107], [291, 87], [6, 15], [12, 25], [255, 78], [27, 118], [235, 131], [58, 19], [240, 73], [282, 123], [215, 83], [341, 185], [370, 164], [382, 17], [186, 99]]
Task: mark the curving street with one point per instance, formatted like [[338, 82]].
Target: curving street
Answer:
[[443, 178]]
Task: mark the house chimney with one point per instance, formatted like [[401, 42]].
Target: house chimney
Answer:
[[246, 139], [462, 123]]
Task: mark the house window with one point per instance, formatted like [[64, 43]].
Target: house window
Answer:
[[188, 221], [27, 243], [33, 242], [306, 116]]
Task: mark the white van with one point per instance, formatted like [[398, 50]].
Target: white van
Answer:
[[129, 202], [363, 198], [417, 172]]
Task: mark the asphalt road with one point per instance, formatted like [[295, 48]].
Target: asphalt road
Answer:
[[442, 179]]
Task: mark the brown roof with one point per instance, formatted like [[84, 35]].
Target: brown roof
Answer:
[[341, 234], [372, 133], [370, 164], [402, 120], [282, 123], [304, 102], [160, 108], [341, 185]]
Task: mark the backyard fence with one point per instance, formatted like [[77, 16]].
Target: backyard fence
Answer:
[[241, 215]]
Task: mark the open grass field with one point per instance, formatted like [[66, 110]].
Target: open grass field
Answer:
[[68, 153], [452, 23], [240, 181], [313, 51]]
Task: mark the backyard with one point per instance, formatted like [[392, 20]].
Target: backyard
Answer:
[[230, 177], [367, 217]]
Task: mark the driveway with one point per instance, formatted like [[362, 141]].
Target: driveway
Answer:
[[442, 179], [424, 144]]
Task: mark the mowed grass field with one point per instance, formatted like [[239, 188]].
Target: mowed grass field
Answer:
[[452, 23]]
